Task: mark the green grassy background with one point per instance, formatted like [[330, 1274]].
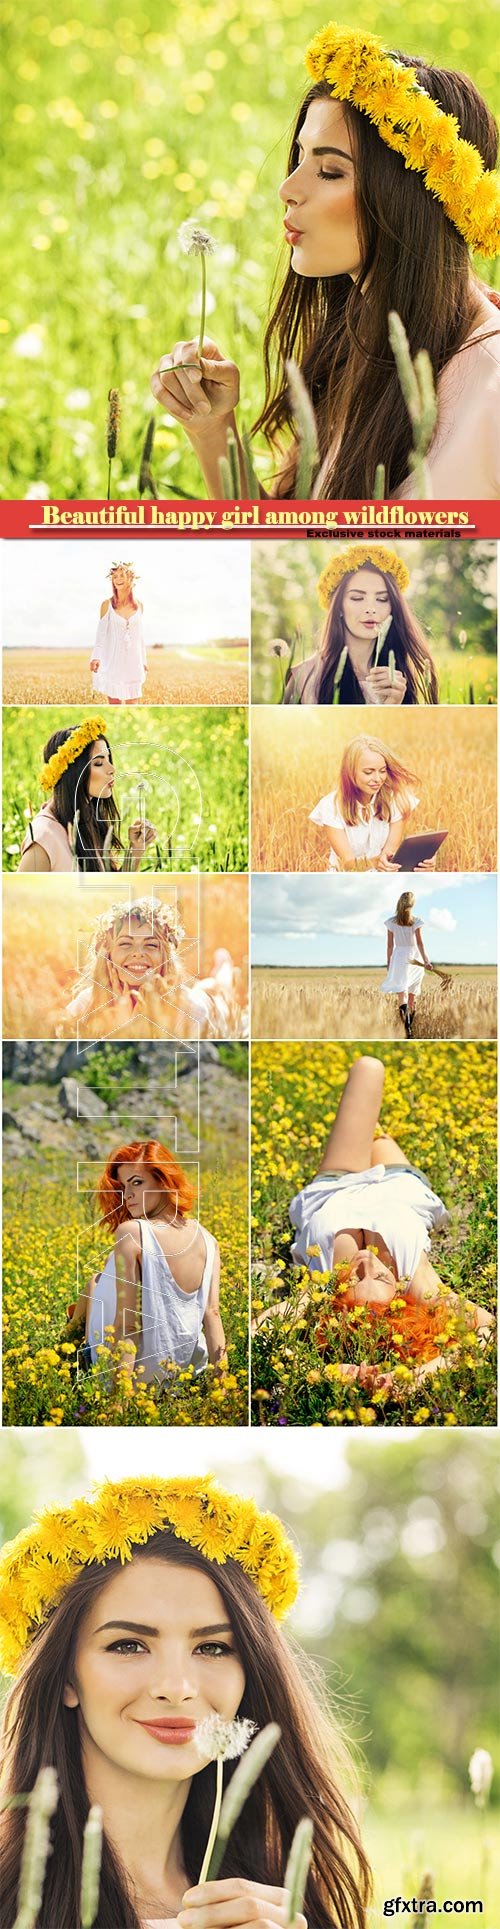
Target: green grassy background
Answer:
[[119, 126], [177, 752]]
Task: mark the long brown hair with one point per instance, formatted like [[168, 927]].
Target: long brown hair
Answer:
[[413, 260], [404, 908], [97, 814], [301, 1776], [394, 790], [405, 637]]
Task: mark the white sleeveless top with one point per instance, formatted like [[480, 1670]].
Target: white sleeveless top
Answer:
[[172, 1320], [400, 1205], [119, 644]]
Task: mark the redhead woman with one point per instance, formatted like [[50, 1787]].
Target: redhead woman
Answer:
[[134, 985], [391, 188], [119, 664], [146, 1643], [372, 650], [159, 1288], [366, 1220], [78, 828], [367, 815]]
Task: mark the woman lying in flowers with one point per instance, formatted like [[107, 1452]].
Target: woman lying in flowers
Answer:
[[157, 1299], [390, 183], [134, 985], [363, 1229], [143, 1624], [78, 828]]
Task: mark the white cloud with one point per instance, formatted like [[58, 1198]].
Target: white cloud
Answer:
[[442, 920]]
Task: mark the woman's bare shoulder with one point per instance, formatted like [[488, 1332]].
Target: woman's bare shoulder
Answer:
[[105, 606]]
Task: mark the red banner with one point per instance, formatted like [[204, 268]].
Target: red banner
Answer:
[[42, 520]]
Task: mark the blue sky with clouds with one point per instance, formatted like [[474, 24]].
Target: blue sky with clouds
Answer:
[[328, 920]]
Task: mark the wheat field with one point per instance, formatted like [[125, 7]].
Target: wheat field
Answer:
[[296, 755], [290, 1002], [49, 921], [174, 676]]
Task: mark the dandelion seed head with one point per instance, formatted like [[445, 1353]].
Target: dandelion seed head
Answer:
[[219, 1740], [278, 646], [195, 240], [481, 1775]]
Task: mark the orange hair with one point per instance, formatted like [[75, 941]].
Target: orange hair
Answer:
[[164, 1169]]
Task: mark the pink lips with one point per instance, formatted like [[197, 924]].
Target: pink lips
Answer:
[[173, 1732], [292, 234]]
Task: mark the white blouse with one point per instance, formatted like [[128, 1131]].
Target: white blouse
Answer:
[[366, 838], [400, 1206], [171, 1319]]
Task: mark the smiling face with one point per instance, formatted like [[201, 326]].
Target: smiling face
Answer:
[[142, 1194], [135, 950], [320, 221], [371, 772], [122, 580], [155, 1656], [100, 770], [366, 604]]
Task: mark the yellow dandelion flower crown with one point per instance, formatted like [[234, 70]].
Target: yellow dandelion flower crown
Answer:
[[353, 558], [69, 751], [44, 1559], [357, 68]]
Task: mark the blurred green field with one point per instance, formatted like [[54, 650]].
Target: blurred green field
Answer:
[[194, 764], [118, 128], [406, 1840]]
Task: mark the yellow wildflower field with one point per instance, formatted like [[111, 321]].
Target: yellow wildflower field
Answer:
[[440, 1104], [47, 1247]]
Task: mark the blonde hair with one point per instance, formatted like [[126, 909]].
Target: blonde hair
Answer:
[[395, 788], [404, 908], [102, 980]]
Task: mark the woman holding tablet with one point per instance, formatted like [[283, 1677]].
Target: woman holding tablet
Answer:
[[368, 813]]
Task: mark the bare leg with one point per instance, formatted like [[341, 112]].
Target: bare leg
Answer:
[[386, 1151], [349, 1143]]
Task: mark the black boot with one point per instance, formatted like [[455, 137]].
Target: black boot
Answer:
[[408, 1023], [403, 1013]]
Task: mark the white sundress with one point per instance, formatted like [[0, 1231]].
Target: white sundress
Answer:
[[172, 1321], [402, 976], [365, 839], [399, 1204], [120, 647]]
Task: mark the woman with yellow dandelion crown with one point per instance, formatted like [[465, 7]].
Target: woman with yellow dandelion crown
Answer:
[[372, 650], [363, 1225], [133, 984], [367, 814], [156, 1301], [78, 828], [118, 664], [390, 190], [142, 1624]]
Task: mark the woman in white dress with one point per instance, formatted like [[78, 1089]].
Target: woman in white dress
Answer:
[[118, 664], [134, 985], [368, 813], [159, 1288], [372, 1212], [404, 972]]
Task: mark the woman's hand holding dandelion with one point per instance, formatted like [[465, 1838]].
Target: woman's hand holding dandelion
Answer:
[[140, 834], [380, 689], [202, 391], [236, 1904]]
